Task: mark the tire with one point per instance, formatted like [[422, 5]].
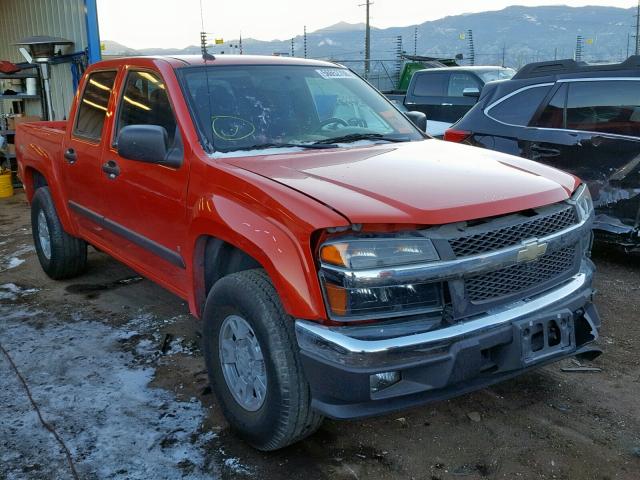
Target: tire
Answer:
[[65, 256], [285, 415]]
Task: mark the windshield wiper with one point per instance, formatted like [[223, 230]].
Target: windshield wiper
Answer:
[[265, 146], [354, 137]]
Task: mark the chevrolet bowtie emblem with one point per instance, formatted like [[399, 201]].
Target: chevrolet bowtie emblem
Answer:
[[532, 251]]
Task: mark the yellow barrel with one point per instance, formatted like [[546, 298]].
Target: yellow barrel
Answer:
[[6, 185]]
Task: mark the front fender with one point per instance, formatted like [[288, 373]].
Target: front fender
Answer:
[[286, 256]]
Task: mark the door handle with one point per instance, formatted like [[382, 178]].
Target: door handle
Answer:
[[111, 168], [447, 104], [70, 156]]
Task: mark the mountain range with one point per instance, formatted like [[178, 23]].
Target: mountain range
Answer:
[[514, 36]]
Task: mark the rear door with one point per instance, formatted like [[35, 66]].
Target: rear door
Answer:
[[427, 93], [83, 151], [591, 127]]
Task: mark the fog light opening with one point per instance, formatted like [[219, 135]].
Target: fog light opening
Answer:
[[380, 381]]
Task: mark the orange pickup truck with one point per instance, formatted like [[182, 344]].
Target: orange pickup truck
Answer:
[[344, 263]]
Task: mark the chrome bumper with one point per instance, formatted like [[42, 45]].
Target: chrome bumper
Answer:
[[330, 345]]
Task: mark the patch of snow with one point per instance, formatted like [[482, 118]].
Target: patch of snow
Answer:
[[236, 466], [287, 150], [326, 41], [255, 153], [99, 398], [10, 291], [14, 262], [14, 259]]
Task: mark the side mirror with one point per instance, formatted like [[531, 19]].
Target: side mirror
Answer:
[[147, 143], [473, 92], [419, 119]]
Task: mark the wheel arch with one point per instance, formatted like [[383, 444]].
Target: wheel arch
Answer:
[[34, 178], [223, 247]]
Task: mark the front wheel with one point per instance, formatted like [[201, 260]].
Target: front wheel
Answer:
[[61, 255], [253, 363]]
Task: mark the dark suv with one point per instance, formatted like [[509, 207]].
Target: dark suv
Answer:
[[577, 117]]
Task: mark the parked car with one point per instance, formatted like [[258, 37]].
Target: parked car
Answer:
[[343, 263], [446, 94], [578, 117]]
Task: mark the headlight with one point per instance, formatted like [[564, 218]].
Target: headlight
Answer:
[[348, 267], [364, 254], [583, 202]]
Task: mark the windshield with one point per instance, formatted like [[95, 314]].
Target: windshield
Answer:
[[242, 107], [491, 75]]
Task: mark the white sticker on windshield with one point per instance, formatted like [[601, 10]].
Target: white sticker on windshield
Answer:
[[334, 73]]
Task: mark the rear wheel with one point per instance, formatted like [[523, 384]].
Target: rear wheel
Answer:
[[253, 363], [60, 255]]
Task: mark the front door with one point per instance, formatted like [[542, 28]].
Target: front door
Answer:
[[145, 203], [455, 104], [82, 152]]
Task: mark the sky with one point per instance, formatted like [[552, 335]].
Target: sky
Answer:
[[171, 23]]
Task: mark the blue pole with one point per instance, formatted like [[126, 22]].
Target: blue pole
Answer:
[[93, 32]]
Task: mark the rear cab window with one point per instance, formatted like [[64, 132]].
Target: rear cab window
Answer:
[[430, 84], [518, 108], [92, 109]]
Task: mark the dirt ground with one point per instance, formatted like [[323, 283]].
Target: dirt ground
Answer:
[[546, 424]]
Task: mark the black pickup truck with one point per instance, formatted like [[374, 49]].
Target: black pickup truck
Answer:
[[446, 94]]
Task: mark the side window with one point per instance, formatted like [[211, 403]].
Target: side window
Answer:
[[519, 108], [460, 81], [145, 102], [431, 84], [93, 105], [611, 106], [553, 114]]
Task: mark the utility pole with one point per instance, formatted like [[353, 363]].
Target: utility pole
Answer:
[[293, 52], [367, 39], [638, 29], [415, 40], [398, 58], [504, 53], [305, 41], [578, 49], [472, 50], [628, 43], [240, 43]]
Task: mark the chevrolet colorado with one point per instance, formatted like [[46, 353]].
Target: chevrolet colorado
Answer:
[[343, 263]]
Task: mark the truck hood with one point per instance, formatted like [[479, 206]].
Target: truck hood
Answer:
[[428, 182]]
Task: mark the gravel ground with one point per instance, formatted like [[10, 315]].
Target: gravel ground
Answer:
[[113, 363]]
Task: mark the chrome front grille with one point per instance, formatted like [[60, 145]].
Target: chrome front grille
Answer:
[[513, 234], [520, 277]]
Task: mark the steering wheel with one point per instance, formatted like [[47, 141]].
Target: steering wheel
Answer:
[[333, 121]]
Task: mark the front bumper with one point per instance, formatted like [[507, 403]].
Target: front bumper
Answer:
[[450, 361]]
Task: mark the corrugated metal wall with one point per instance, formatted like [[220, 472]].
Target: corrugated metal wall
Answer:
[[58, 18]]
